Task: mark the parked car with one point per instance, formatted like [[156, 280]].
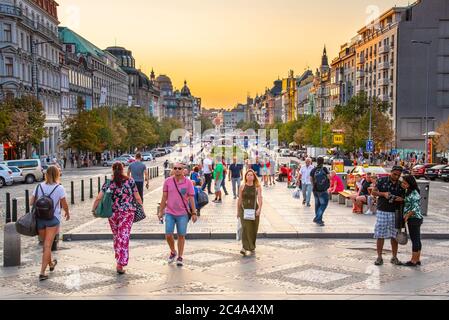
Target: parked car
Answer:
[[6, 178], [419, 171], [444, 174], [147, 156], [162, 150], [130, 158], [17, 175], [433, 172], [32, 169], [362, 171], [285, 153], [109, 163]]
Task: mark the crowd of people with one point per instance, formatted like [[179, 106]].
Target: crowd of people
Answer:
[[180, 202]]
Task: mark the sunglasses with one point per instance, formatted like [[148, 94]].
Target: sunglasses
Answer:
[[178, 168]]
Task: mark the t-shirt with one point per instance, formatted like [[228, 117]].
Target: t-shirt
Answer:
[[206, 163], [364, 189], [195, 176], [236, 170], [256, 168], [305, 174], [340, 185], [386, 185], [174, 201], [57, 196], [218, 171], [138, 170]]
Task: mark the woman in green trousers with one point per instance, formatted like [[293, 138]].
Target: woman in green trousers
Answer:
[[250, 201]]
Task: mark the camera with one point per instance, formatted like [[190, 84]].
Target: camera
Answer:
[[391, 198]]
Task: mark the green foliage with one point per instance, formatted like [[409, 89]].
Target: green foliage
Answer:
[[248, 125], [206, 124], [310, 133]]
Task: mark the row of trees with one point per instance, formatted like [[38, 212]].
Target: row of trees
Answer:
[[22, 123], [116, 129]]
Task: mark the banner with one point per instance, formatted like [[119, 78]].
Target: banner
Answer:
[[430, 150], [104, 92]]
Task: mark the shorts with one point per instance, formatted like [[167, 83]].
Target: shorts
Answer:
[[43, 224], [385, 225], [181, 223], [218, 185]]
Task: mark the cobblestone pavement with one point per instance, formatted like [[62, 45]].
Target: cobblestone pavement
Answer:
[[281, 269], [281, 215]]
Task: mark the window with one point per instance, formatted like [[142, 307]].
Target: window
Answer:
[[9, 66], [22, 41], [7, 32]]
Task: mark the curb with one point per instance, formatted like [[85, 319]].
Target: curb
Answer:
[[232, 236]]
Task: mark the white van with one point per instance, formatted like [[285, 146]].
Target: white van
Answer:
[[31, 168]]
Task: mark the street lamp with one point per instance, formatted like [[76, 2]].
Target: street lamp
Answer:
[[428, 44]]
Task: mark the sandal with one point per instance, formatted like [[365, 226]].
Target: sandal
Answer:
[[120, 271], [53, 265], [379, 262], [43, 277], [243, 252], [411, 264]]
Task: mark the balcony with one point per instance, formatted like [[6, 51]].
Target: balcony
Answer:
[[384, 97], [360, 74], [40, 28], [359, 88], [384, 49], [384, 82], [10, 10], [361, 60], [384, 65]]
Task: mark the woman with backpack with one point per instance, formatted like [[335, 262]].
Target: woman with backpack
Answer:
[[124, 193], [49, 194]]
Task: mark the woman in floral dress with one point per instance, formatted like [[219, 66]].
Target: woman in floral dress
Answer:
[[124, 193]]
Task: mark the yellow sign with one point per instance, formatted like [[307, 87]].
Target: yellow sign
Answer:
[[339, 139]]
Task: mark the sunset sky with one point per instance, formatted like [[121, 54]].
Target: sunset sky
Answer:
[[223, 48]]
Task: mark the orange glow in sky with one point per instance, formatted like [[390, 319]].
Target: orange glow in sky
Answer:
[[225, 49]]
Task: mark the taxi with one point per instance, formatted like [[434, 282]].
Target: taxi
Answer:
[[362, 171]]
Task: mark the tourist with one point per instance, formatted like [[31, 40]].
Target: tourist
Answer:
[[265, 168], [178, 195], [218, 180], [272, 171], [195, 176], [207, 171], [306, 181], [138, 171], [48, 228], [363, 194], [235, 176], [413, 217], [225, 171], [336, 182], [390, 196], [250, 198], [321, 182]]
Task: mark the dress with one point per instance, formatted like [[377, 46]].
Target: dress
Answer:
[[121, 221], [249, 228]]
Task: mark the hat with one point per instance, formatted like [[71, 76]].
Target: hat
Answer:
[[398, 168]]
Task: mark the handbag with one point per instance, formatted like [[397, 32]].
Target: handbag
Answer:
[[250, 214], [297, 193], [182, 200], [104, 209], [203, 199], [402, 237], [27, 225], [139, 215]]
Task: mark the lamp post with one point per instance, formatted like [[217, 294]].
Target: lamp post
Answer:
[[427, 44]]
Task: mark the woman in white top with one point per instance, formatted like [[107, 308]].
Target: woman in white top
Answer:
[[49, 228]]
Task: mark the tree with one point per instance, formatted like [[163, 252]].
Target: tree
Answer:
[[167, 126], [442, 141], [310, 134], [206, 124], [22, 123], [248, 125]]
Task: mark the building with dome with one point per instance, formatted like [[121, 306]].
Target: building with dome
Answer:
[[178, 104], [143, 92]]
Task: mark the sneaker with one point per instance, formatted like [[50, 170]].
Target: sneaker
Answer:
[[314, 220], [219, 201], [172, 257], [321, 224], [396, 261], [379, 262], [368, 213], [179, 262], [309, 205]]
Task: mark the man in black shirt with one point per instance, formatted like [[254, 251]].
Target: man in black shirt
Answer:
[[320, 177], [362, 198], [390, 197]]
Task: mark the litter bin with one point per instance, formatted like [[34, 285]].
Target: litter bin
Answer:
[[344, 178], [424, 187]]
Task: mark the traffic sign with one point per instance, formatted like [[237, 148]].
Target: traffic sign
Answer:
[[370, 146], [339, 139]]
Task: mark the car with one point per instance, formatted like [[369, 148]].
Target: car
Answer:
[[32, 169], [46, 165], [362, 171], [162, 150], [17, 175], [326, 159], [6, 178], [433, 172], [419, 170], [109, 163], [130, 158], [147, 156], [444, 174], [285, 153]]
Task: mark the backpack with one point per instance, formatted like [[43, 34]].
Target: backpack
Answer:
[[322, 182], [44, 206], [203, 199]]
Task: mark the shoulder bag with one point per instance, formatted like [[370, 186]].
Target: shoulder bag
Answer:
[[27, 225], [250, 214], [104, 209], [402, 237]]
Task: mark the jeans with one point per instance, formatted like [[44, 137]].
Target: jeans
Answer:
[[321, 203], [139, 185], [307, 193], [207, 182], [236, 186], [223, 185], [414, 228]]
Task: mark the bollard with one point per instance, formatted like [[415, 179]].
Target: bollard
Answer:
[[105, 179], [11, 246], [99, 184], [149, 173], [91, 195], [82, 190], [157, 171], [27, 201], [14, 210], [8, 208], [72, 193]]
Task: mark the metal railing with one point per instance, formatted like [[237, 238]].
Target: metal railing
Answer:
[[10, 10]]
